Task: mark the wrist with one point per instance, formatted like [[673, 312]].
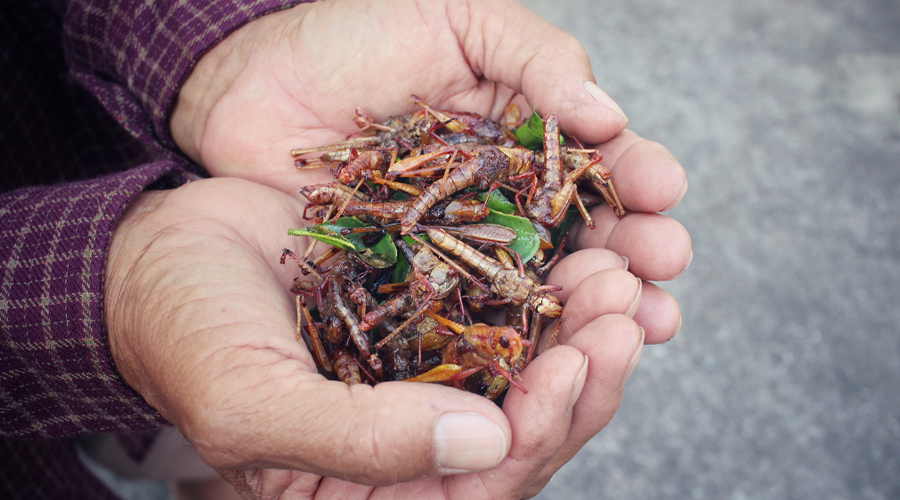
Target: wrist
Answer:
[[124, 251]]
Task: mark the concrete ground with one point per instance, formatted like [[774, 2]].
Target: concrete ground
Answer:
[[784, 381]]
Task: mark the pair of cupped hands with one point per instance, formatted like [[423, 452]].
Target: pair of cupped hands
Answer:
[[200, 320]]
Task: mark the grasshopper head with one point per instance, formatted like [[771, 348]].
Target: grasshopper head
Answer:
[[507, 343]]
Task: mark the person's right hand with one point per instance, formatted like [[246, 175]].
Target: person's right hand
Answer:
[[201, 324], [293, 79]]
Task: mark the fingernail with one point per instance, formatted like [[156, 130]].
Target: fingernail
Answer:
[[634, 359], [684, 188], [603, 98], [678, 328], [690, 259], [637, 300], [627, 262], [578, 386], [466, 442]]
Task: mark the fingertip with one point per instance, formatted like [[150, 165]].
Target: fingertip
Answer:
[[612, 342], [647, 177], [540, 421], [554, 381], [658, 313], [468, 442], [658, 247], [603, 98], [678, 197], [574, 268], [584, 110], [555, 371]]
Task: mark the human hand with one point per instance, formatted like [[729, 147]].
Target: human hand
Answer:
[[294, 78], [201, 325]]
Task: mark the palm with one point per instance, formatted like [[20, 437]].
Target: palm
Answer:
[[305, 93]]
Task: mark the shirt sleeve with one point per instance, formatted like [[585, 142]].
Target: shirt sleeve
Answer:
[[135, 54], [57, 377]]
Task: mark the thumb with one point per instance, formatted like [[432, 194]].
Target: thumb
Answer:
[[391, 433], [513, 46]]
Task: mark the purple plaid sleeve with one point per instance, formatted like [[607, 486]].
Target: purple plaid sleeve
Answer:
[[134, 54], [56, 375]]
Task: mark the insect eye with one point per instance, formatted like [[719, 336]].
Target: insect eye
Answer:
[[504, 342]]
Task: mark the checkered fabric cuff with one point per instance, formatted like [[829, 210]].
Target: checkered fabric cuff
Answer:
[[135, 54], [57, 377]]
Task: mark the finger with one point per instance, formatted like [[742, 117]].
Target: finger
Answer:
[[513, 46], [270, 483], [658, 314], [606, 292], [613, 344], [646, 176], [574, 268], [539, 421], [658, 248], [611, 292]]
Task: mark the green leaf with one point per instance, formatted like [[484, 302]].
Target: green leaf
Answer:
[[499, 203], [558, 232], [531, 133], [381, 255], [527, 240], [325, 235], [401, 271], [348, 223]]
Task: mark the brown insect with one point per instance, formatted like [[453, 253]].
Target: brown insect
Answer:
[[479, 347], [507, 283], [426, 174], [552, 200], [486, 170], [598, 175]]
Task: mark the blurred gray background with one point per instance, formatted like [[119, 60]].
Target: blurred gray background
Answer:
[[783, 382]]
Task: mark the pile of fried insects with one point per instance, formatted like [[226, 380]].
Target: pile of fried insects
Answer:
[[442, 226]]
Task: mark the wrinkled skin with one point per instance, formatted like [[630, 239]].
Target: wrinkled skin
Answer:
[[199, 320]]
